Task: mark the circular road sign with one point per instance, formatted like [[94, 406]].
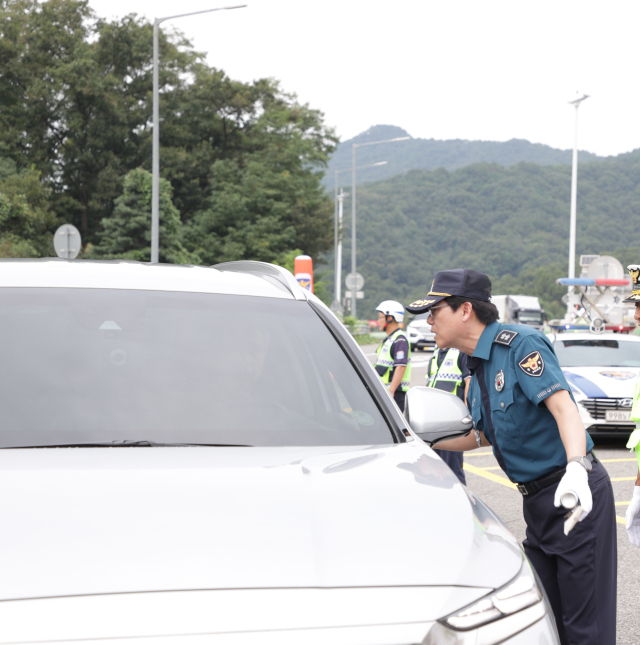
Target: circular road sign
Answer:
[[354, 281], [67, 242]]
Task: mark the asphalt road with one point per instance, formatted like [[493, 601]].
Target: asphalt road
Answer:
[[486, 479]]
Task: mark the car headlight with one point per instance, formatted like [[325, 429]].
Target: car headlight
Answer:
[[520, 593]]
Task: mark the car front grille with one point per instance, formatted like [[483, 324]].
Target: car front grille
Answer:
[[611, 428], [598, 407]]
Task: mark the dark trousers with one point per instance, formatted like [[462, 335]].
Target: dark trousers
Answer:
[[579, 570], [454, 461], [399, 397]]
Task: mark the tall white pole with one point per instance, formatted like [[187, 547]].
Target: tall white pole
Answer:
[[155, 162], [574, 199], [338, 291], [353, 224], [336, 298], [155, 153], [574, 193], [353, 205]]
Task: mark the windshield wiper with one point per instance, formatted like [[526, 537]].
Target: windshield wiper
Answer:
[[126, 443]]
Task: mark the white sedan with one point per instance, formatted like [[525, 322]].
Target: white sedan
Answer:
[[601, 370]]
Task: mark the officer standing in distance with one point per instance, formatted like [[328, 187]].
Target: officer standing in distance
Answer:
[[522, 406], [394, 353], [633, 510], [448, 371]]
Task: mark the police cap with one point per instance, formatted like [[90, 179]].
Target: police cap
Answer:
[[458, 282]]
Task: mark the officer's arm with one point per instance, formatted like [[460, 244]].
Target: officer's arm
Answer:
[[566, 414], [638, 478], [397, 378], [462, 444]]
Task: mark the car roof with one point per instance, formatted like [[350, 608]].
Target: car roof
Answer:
[[587, 336], [238, 278]]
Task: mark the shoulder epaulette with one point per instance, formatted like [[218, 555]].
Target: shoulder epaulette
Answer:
[[505, 337]]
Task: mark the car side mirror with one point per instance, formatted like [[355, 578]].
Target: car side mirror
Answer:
[[435, 415]]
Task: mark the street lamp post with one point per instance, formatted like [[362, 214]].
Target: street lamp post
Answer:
[[338, 202], [574, 198], [155, 161], [338, 253], [354, 147], [574, 192]]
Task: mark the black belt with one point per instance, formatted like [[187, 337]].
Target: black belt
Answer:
[[547, 480]]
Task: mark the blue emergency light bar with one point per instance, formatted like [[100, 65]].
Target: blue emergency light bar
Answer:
[[592, 282]]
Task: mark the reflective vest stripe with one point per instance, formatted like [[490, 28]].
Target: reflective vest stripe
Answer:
[[386, 360], [453, 373]]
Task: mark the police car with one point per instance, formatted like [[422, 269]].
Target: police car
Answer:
[[601, 370], [420, 334]]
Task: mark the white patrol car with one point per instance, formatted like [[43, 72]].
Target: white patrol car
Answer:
[[601, 370]]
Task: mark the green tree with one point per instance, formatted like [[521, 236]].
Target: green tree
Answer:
[[26, 223], [268, 199], [75, 105], [127, 234]]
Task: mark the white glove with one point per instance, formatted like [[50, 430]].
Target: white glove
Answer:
[[633, 517], [575, 480]]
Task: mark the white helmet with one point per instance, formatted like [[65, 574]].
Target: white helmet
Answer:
[[392, 308]]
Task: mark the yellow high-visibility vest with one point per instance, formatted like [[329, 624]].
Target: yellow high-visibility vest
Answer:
[[385, 360]]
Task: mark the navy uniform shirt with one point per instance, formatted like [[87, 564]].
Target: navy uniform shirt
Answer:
[[520, 370], [400, 351]]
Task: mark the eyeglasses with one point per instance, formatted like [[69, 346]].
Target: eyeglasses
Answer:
[[431, 314]]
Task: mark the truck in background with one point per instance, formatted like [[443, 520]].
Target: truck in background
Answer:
[[523, 310]]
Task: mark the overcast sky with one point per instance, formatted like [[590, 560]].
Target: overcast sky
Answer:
[[442, 69]]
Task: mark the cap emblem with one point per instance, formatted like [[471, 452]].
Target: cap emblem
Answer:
[[421, 303]]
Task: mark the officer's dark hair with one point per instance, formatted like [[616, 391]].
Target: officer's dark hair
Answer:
[[486, 312]]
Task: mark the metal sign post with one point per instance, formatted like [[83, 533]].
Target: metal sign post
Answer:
[[67, 242]]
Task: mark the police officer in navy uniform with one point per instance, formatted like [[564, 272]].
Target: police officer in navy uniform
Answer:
[[522, 406], [448, 371]]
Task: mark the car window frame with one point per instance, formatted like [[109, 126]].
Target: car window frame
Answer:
[[396, 422]]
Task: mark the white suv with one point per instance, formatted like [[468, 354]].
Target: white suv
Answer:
[[195, 455], [420, 334]]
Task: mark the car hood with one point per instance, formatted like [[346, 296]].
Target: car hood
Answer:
[[601, 382], [109, 520]]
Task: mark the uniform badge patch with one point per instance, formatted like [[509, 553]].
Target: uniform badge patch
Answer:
[[532, 364], [505, 337], [400, 355], [500, 381]]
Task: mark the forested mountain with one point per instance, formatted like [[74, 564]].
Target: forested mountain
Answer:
[[512, 223], [431, 154]]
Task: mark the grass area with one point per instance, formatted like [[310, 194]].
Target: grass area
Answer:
[[366, 339]]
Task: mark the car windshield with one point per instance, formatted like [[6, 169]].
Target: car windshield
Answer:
[[600, 352], [530, 317], [101, 365]]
